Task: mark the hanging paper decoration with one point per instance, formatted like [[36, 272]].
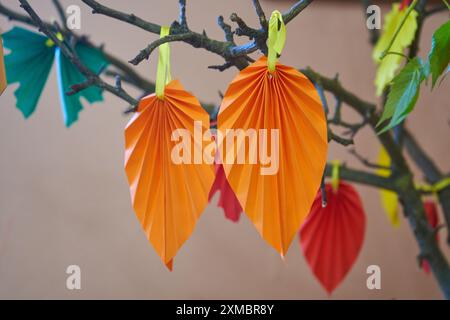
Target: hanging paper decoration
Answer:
[[389, 199], [29, 64], [280, 103], [227, 200], [68, 75], [168, 195], [2, 69], [390, 63], [332, 236], [433, 220]]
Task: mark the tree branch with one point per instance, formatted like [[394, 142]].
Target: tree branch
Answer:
[[295, 10], [228, 51], [133, 76], [362, 177], [145, 53], [261, 15], [61, 12], [229, 37], [90, 76], [183, 20]]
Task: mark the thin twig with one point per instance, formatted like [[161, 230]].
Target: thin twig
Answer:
[[183, 20], [145, 53], [366, 162]]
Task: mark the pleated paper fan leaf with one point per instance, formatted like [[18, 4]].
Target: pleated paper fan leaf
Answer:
[[68, 75], [3, 81], [29, 63], [431, 213], [331, 237], [168, 198], [227, 200], [277, 196]]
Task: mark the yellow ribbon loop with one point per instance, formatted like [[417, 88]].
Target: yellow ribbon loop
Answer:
[[435, 188], [276, 39], [335, 174], [50, 43], [163, 73]]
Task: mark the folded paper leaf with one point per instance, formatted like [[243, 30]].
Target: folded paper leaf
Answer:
[[389, 199], [390, 63], [2, 69], [168, 197], [433, 220], [68, 75], [30, 62], [332, 236], [276, 196], [227, 200]]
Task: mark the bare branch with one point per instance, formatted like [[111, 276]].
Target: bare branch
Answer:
[[366, 162], [243, 29], [77, 87], [260, 13], [437, 9], [363, 177], [183, 21], [129, 18], [236, 54], [226, 29], [145, 53], [61, 12], [295, 10], [341, 140], [221, 67], [133, 77]]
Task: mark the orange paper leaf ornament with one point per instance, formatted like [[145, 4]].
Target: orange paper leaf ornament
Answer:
[[169, 184], [167, 197], [283, 110]]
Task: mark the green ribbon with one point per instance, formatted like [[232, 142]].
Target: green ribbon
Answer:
[[276, 39], [163, 73]]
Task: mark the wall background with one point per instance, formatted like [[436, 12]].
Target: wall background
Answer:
[[64, 197]]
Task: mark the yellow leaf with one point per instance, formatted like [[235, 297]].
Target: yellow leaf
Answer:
[[389, 65], [389, 199]]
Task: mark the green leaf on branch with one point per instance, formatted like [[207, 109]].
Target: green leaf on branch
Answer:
[[439, 56], [404, 93]]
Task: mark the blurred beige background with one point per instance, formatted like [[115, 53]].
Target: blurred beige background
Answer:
[[64, 198]]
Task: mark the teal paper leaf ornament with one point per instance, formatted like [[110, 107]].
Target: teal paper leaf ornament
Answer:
[[30, 62], [69, 75]]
